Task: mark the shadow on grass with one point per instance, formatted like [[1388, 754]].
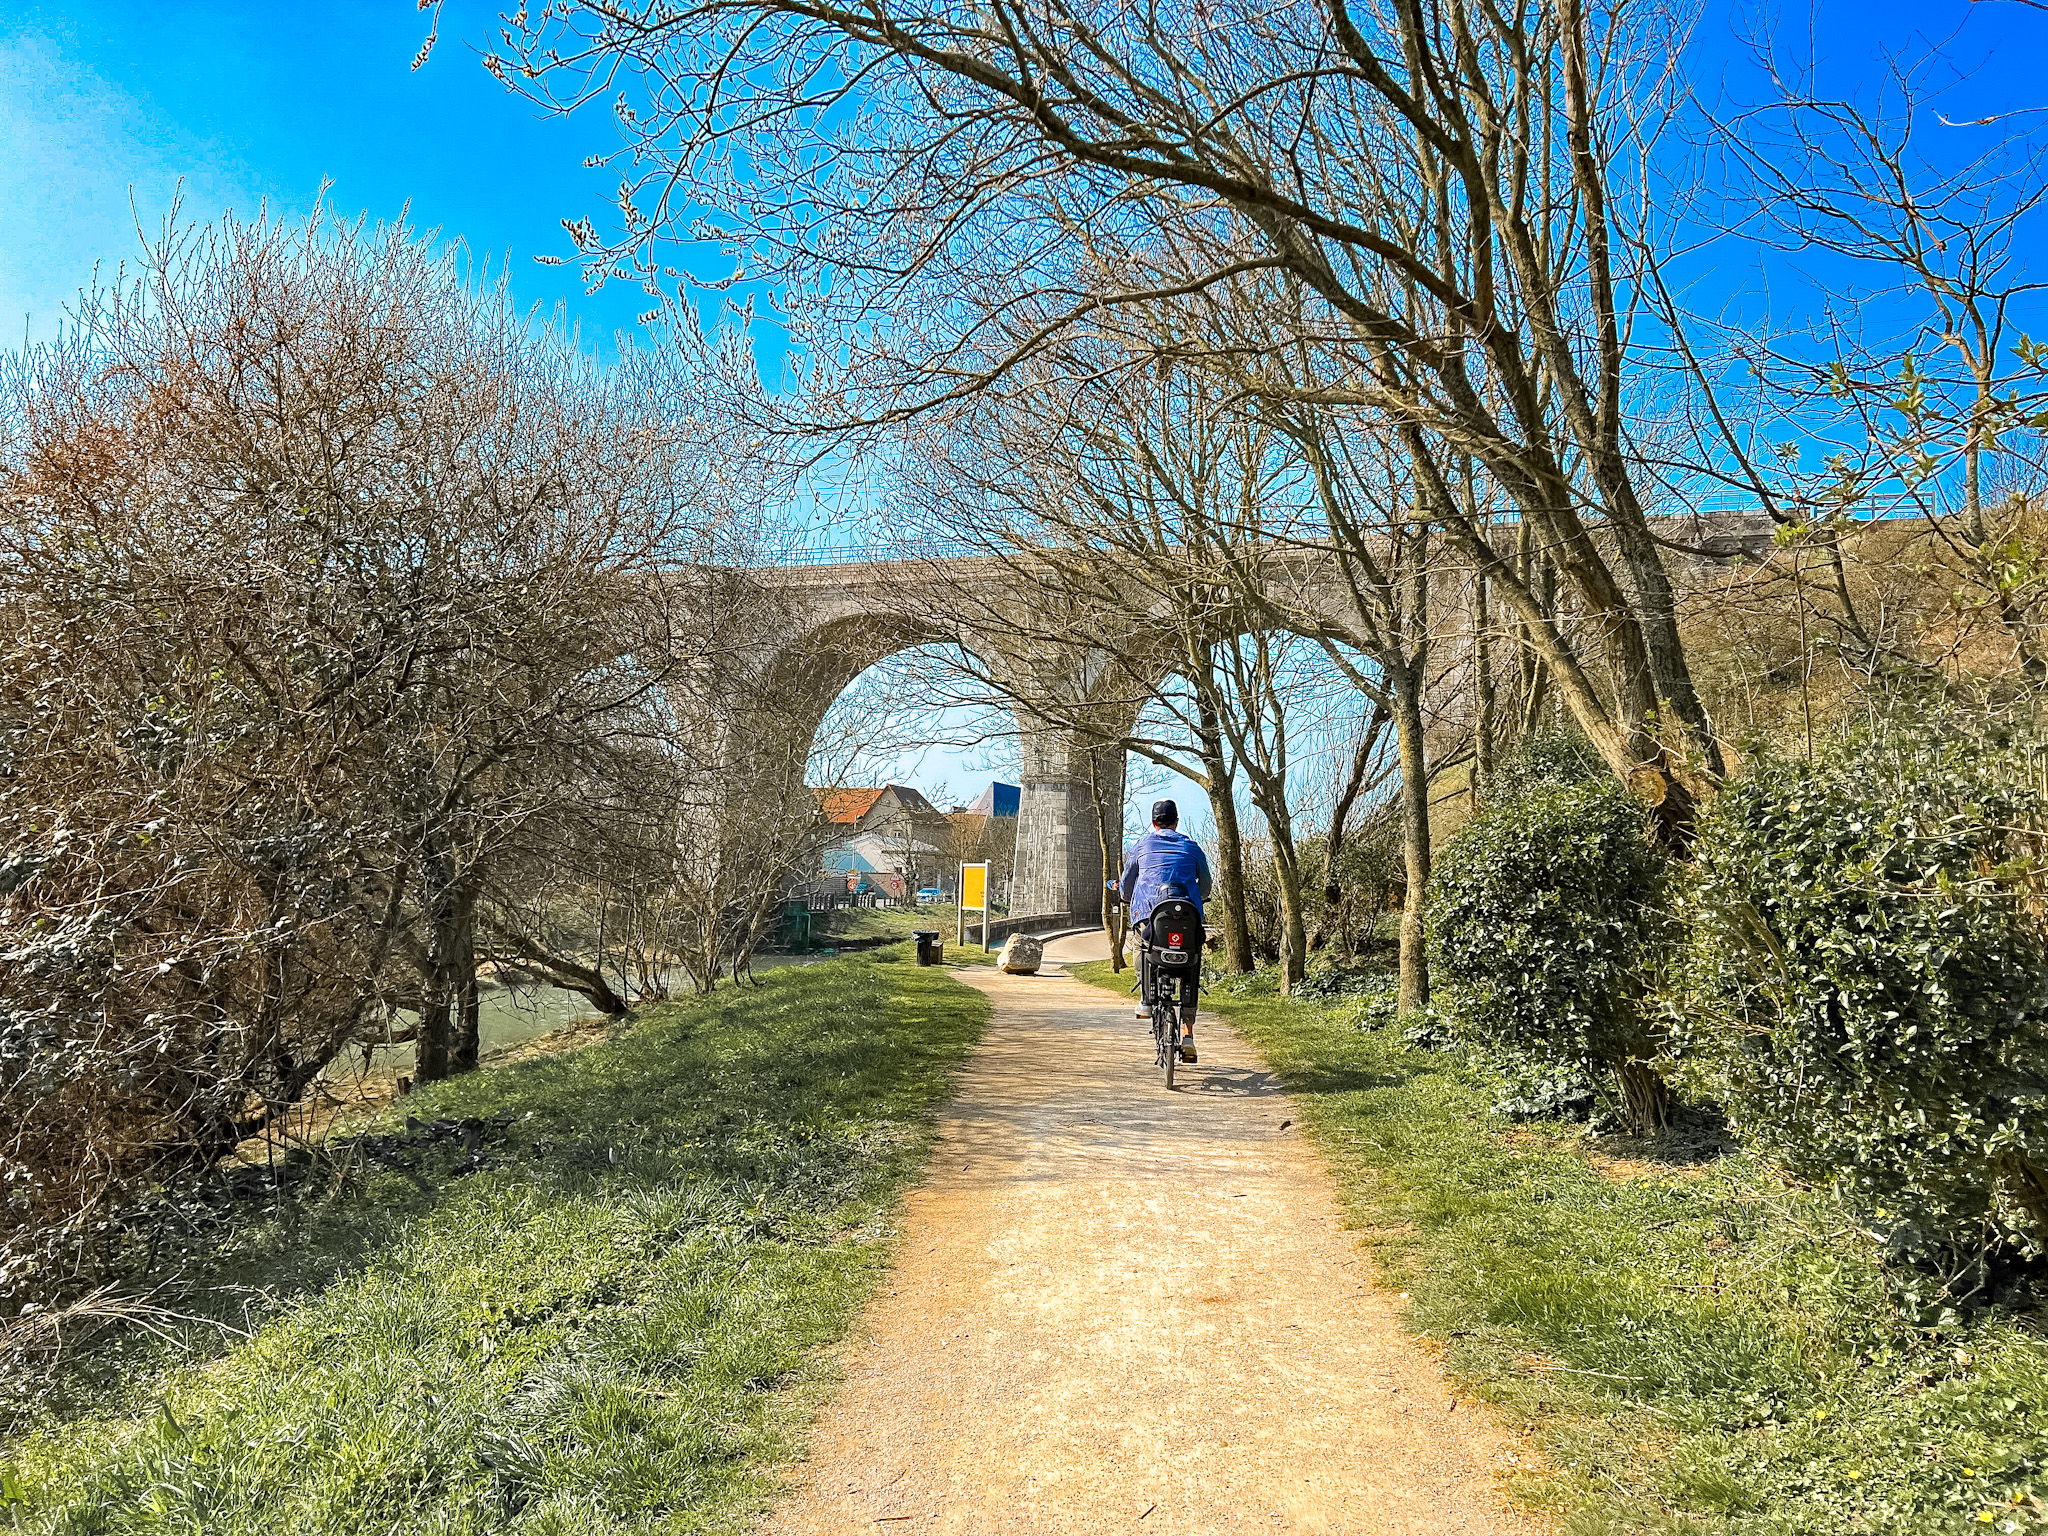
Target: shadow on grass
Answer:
[[574, 1293], [1694, 1342], [1697, 1135]]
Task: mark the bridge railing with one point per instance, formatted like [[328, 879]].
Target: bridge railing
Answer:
[[871, 554], [1710, 523]]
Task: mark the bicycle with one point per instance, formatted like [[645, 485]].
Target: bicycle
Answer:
[[1170, 976]]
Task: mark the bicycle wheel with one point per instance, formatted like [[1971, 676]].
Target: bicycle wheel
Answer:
[[1169, 1039]]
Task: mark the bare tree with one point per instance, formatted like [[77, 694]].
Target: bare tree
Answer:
[[1168, 543], [315, 569], [1457, 193], [1917, 376]]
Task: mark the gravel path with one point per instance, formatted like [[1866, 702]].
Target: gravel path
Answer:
[[1119, 1308]]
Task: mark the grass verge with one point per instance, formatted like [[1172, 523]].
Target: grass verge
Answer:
[[888, 922], [900, 923], [599, 1308], [1696, 1346]]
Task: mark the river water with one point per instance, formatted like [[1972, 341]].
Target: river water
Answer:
[[510, 1014]]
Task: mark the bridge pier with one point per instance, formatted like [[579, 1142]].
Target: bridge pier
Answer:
[[1060, 842]]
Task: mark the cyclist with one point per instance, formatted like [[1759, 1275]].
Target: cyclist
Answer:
[[1166, 864]]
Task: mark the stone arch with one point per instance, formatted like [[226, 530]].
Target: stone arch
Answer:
[[843, 619], [812, 666], [840, 632]]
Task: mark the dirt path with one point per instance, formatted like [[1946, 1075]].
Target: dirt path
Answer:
[[1118, 1308]]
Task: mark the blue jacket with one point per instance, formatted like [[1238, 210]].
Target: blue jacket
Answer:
[[1164, 864]]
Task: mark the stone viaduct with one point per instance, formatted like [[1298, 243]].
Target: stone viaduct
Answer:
[[844, 614]]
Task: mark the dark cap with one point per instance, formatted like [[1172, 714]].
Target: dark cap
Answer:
[[1165, 814]]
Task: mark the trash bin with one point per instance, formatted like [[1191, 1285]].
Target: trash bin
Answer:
[[929, 949]]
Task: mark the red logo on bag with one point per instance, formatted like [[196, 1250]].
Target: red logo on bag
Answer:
[[1173, 941]]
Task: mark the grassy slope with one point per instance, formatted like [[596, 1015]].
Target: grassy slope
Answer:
[[900, 923], [888, 922], [612, 1325], [1696, 1348]]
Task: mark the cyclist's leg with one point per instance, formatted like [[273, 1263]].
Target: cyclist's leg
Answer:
[[1148, 976], [1191, 991]]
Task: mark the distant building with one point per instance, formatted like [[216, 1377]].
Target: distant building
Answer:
[[998, 800], [888, 838], [874, 807]]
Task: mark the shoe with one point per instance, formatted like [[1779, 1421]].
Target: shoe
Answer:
[[1187, 1050], [1144, 1014]]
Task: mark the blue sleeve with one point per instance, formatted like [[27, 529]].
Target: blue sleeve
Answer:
[[1128, 886], [1202, 865]]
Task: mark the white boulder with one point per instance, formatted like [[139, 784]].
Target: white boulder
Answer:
[[1021, 954]]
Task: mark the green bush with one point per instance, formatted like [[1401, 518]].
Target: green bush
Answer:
[[1538, 763], [1867, 985], [1547, 916]]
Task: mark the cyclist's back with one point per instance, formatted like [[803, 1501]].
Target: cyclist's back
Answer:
[[1166, 865]]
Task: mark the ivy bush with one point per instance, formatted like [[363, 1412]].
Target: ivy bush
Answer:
[[1866, 988], [1551, 760], [1547, 918]]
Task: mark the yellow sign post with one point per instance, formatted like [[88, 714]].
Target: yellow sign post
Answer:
[[974, 895]]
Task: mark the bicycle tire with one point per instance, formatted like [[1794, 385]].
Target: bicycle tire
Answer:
[[1170, 1039]]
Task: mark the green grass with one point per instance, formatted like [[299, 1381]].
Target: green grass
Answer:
[[887, 922], [613, 1325], [1695, 1347], [900, 923]]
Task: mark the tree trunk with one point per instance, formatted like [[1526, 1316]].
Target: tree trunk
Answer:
[[569, 975], [468, 1025], [1293, 923], [1646, 1097], [1111, 845], [438, 1048], [750, 935], [462, 956], [1405, 682], [1229, 871], [1408, 737], [1534, 675], [1482, 691], [1340, 825]]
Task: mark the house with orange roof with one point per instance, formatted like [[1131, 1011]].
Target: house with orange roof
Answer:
[[888, 838]]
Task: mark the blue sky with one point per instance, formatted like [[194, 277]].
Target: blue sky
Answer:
[[246, 104], [243, 104]]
